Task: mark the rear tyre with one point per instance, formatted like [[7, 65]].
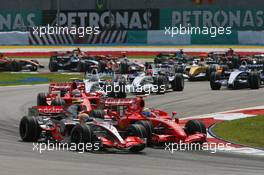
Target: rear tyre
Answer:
[[53, 66], [16, 66], [211, 68], [160, 82], [194, 126], [178, 82], [41, 99], [214, 77], [139, 131], [254, 80], [29, 129]]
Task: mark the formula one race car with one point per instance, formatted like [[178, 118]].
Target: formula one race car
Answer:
[[159, 84], [74, 61], [157, 79], [19, 64], [160, 127], [201, 69], [129, 67], [171, 58], [63, 94], [247, 76], [46, 123]]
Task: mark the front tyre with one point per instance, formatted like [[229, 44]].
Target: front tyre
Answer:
[[254, 80], [139, 131], [213, 81], [178, 82], [194, 126], [148, 126], [29, 129], [82, 134], [41, 99]]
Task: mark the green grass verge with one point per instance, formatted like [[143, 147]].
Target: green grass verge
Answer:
[[247, 131], [7, 78]]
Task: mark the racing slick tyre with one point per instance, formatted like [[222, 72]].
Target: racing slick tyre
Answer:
[[160, 82], [254, 80], [148, 126], [123, 67], [53, 66], [178, 82], [97, 113], [33, 68], [82, 134], [139, 131], [58, 102], [41, 99], [193, 126], [15, 66], [214, 77], [236, 85], [211, 68], [29, 129]]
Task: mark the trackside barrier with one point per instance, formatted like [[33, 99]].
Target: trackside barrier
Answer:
[[14, 38], [150, 37]]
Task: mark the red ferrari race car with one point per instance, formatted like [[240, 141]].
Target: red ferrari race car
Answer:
[[161, 127], [64, 94], [50, 124], [7, 64]]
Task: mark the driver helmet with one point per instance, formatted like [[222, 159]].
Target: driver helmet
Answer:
[[243, 68], [146, 112]]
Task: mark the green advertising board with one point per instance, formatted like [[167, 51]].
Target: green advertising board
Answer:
[[11, 20], [238, 19], [137, 36]]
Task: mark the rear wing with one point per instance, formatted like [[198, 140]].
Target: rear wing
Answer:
[[132, 103], [45, 110], [66, 86], [119, 101]]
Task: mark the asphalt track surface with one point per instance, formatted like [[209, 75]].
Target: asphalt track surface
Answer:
[[17, 157]]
